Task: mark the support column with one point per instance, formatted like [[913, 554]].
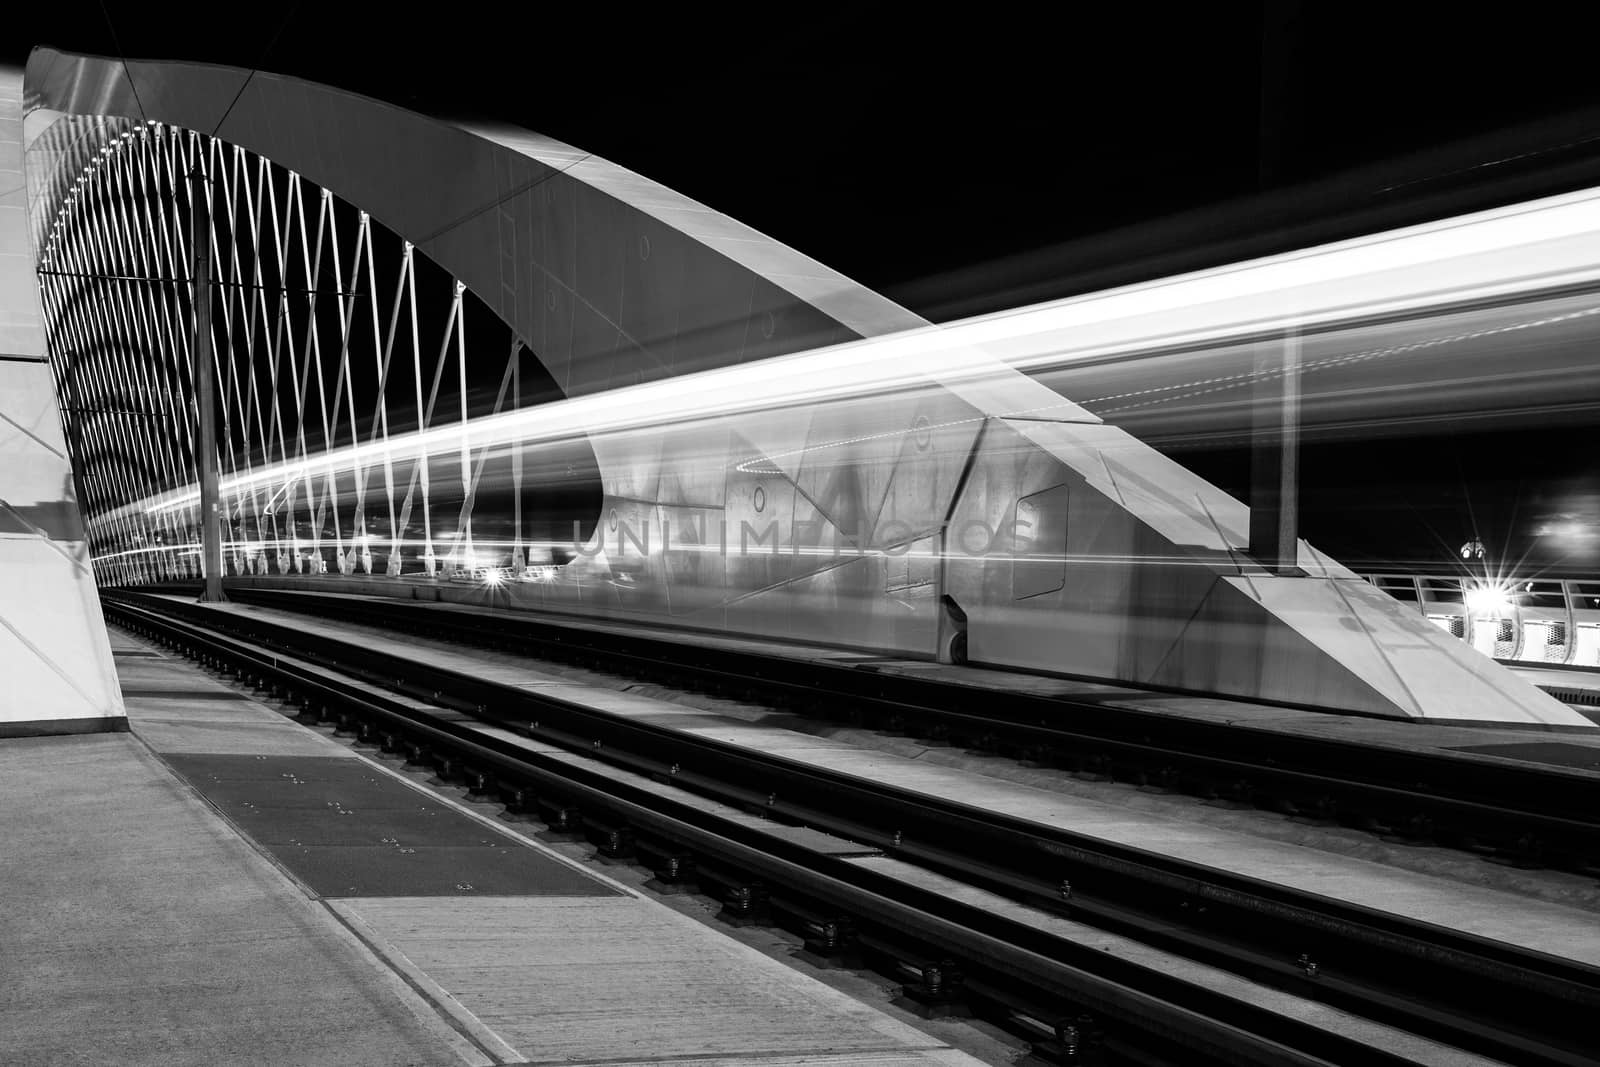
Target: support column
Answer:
[[1275, 457], [518, 563], [206, 458]]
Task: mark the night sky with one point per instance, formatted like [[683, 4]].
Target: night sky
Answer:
[[897, 145], [972, 158]]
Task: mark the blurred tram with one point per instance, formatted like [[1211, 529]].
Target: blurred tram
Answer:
[[1438, 391], [1064, 487]]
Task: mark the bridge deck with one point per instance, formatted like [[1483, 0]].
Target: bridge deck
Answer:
[[1460, 892], [139, 920]]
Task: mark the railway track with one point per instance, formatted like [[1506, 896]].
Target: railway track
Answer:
[[981, 909], [1527, 815]]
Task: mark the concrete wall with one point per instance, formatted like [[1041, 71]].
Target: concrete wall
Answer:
[[56, 673]]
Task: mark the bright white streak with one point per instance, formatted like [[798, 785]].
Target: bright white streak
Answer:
[[1524, 247]]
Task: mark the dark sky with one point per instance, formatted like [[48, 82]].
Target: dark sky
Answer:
[[901, 144]]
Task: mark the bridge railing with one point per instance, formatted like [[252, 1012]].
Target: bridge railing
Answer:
[[1552, 621]]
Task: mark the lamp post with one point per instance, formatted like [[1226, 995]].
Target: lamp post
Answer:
[[1275, 457], [206, 458]]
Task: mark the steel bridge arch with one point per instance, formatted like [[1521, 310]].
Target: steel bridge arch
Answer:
[[602, 273]]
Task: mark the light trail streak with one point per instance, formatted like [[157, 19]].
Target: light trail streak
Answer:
[[486, 552], [1526, 247]]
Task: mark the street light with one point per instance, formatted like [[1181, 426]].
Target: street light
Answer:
[[1488, 601]]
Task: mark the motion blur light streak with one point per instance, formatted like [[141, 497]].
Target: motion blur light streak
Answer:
[[1493, 254], [1543, 245]]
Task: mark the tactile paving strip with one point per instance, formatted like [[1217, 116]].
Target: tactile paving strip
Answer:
[[348, 830]]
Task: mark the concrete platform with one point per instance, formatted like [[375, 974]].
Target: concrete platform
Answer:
[[139, 929], [1558, 677], [142, 927], [1491, 913], [1559, 750]]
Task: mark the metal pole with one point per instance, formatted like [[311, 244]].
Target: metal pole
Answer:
[[1275, 458], [206, 458]]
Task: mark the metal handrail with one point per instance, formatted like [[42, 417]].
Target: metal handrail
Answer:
[[1506, 602]]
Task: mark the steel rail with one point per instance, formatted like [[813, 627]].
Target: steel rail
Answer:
[[1529, 814], [1444, 984], [1179, 1021]]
